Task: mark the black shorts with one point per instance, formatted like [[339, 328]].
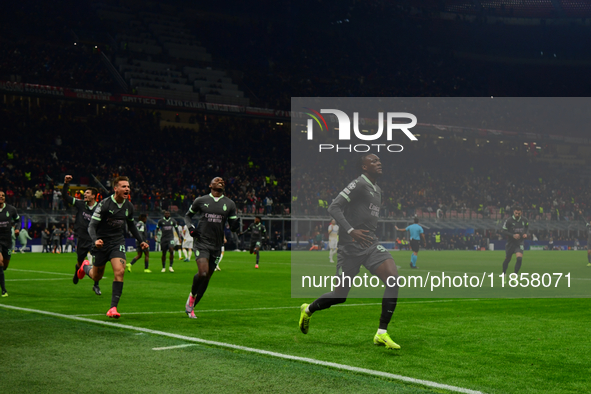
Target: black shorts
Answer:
[[255, 244], [84, 246], [350, 258], [589, 243], [103, 255], [6, 251], [511, 249], [205, 252], [165, 245], [414, 245]]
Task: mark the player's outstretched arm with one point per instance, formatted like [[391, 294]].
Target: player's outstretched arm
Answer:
[[193, 210], [94, 222], [507, 229], [233, 220], [133, 228], [336, 210], [65, 196], [16, 219]]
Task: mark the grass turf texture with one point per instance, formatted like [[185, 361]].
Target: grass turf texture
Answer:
[[492, 345]]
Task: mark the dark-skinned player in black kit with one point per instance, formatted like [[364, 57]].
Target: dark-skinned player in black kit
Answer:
[[214, 210], [356, 210]]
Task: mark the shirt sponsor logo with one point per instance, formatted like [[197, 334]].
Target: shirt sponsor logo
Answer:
[[213, 217]]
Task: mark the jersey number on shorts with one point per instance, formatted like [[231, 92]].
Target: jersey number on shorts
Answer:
[[122, 248], [381, 248]]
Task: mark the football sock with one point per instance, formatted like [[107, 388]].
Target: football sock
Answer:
[[324, 302], [589, 258], [199, 286], [134, 260], [96, 282], [380, 331], [413, 260], [87, 269], [76, 267], [331, 254], [258, 255], [117, 290], [518, 265], [506, 264], [185, 253], [388, 306], [146, 262], [190, 253], [163, 259], [2, 284], [171, 258], [180, 254]]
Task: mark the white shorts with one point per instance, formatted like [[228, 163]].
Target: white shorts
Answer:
[[332, 243], [188, 243]]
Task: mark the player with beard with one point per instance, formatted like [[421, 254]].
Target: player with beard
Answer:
[[515, 229], [356, 211], [106, 230], [9, 218], [214, 210], [84, 211]]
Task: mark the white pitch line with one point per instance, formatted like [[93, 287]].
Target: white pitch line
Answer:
[[277, 307], [173, 347], [41, 272], [344, 367], [21, 280]]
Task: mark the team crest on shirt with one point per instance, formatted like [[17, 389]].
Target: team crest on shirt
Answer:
[[352, 185], [224, 207]]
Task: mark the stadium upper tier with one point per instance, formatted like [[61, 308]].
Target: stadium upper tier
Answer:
[[170, 50]]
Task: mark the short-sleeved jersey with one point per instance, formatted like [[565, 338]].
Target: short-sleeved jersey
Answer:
[[257, 230], [333, 231], [415, 231], [111, 218], [514, 226], [357, 207], [141, 228], [213, 213], [8, 218], [83, 215], [167, 226]]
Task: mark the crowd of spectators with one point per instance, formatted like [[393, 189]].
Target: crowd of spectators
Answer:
[[168, 167], [450, 174]]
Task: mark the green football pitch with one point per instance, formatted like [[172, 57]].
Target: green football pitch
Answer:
[[55, 336]]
